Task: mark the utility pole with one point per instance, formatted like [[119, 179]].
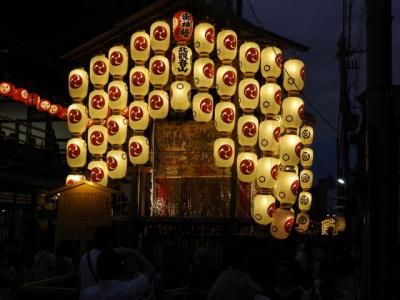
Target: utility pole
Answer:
[[380, 252]]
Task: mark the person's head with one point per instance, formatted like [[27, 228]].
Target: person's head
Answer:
[[109, 265], [104, 237]]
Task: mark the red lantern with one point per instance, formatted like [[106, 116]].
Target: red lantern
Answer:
[[182, 26], [54, 109], [35, 99], [28, 101], [43, 105], [62, 113], [6, 88]]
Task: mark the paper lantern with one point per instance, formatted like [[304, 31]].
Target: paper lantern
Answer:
[[247, 130], [63, 113], [267, 173], [76, 153], [22, 94], [226, 81], [203, 73], [158, 71], [204, 38], [54, 109], [43, 105], [224, 152], [293, 75], [139, 81], [263, 209], [139, 150], [307, 157], [99, 71], [282, 223], [138, 115], [98, 104], [203, 107], [225, 114], [270, 99], [287, 187], [181, 61], [158, 104], [302, 222], [117, 127], [140, 47], [307, 135], [292, 112], [226, 46], [248, 93], [249, 58], [182, 26], [77, 118], [116, 164], [6, 88], [180, 95], [35, 99], [98, 172], [78, 83], [160, 36], [306, 179], [290, 149], [119, 60], [269, 136], [117, 95], [74, 178], [271, 62], [246, 166], [305, 201], [97, 139]]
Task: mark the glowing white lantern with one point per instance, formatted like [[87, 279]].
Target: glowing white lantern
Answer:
[[138, 115], [263, 209], [98, 172], [267, 173], [307, 157], [77, 118], [224, 152], [249, 58], [248, 93], [203, 106], [282, 223], [293, 75], [287, 187], [99, 71], [246, 166], [290, 149], [139, 149], [78, 83], [226, 81], [117, 127], [302, 222], [307, 135], [203, 73], [292, 112], [74, 178], [271, 62], [226, 45], [204, 38], [116, 164], [305, 201], [139, 81], [270, 99], [225, 114], [98, 104], [119, 59], [306, 179], [247, 130], [158, 104], [181, 61], [140, 47], [180, 95], [158, 71], [97, 140], [118, 95], [269, 136], [76, 153], [160, 36]]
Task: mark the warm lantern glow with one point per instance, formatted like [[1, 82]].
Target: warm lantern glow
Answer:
[[138, 115], [271, 62], [118, 95], [203, 73], [117, 127], [282, 223], [98, 172], [76, 153], [118, 59], [307, 135], [160, 36], [158, 104], [226, 81], [292, 112], [224, 152], [99, 71], [287, 188], [293, 75], [97, 139], [74, 178], [305, 201], [203, 107], [158, 71], [269, 136], [302, 222], [225, 115], [117, 164], [227, 45], [78, 83], [270, 99], [140, 47], [139, 150], [77, 118], [290, 150], [182, 26], [249, 58], [98, 104], [247, 130], [307, 157], [204, 38], [249, 94], [181, 61], [246, 166], [267, 173], [180, 95], [139, 81], [263, 209], [306, 179]]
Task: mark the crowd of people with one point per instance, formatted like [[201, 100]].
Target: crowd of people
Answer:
[[315, 271]]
